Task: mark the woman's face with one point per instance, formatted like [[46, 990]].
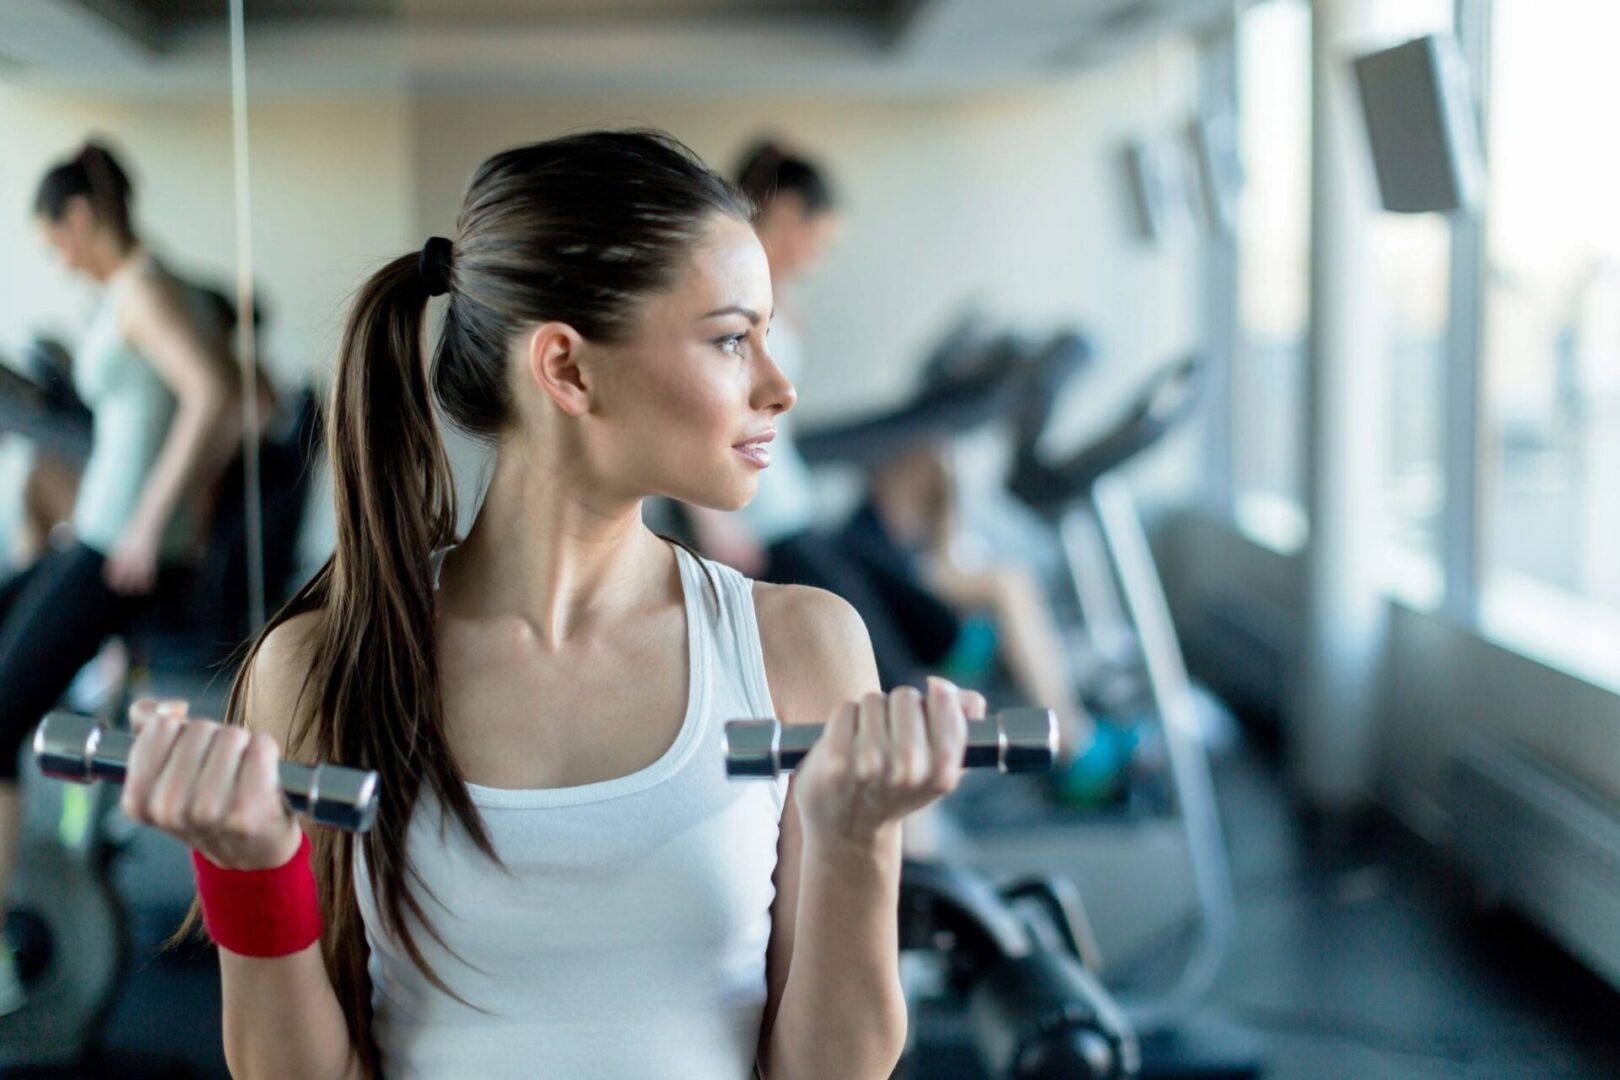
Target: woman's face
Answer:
[[73, 236], [686, 406]]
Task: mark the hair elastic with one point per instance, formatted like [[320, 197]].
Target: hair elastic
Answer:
[[434, 265]]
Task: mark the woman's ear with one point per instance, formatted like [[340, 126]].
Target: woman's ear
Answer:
[[552, 363]]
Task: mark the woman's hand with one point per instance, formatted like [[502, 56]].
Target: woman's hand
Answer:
[[214, 788], [132, 566], [882, 758]]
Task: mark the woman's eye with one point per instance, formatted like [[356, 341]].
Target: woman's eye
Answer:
[[732, 343]]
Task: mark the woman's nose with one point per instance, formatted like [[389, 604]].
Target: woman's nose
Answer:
[[774, 391]]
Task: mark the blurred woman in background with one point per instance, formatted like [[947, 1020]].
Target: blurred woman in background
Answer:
[[162, 392]]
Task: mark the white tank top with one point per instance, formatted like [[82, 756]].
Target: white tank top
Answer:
[[131, 409], [625, 935]]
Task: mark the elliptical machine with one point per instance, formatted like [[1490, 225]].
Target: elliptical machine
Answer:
[[1134, 645], [1017, 998]]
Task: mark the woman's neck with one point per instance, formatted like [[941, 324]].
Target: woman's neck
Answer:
[[554, 553], [109, 256]]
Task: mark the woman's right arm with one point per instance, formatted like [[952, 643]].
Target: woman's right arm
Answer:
[[216, 789]]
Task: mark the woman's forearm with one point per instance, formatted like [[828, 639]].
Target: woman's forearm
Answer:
[[282, 1018], [843, 1012], [183, 450]]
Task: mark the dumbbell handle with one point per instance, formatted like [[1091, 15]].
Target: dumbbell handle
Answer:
[[1013, 741], [77, 748]]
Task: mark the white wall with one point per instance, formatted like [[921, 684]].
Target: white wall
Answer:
[[1014, 203], [179, 157], [332, 198], [332, 193]]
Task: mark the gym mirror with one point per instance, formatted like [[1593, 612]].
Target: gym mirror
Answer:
[[131, 410]]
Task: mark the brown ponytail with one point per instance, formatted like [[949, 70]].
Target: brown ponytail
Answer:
[[374, 652]]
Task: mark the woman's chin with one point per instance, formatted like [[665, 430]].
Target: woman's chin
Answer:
[[729, 500]]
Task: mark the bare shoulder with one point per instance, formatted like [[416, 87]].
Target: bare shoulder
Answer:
[[798, 617], [276, 701], [150, 295], [817, 652]]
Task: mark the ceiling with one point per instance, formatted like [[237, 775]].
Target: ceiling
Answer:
[[181, 13], [603, 47]]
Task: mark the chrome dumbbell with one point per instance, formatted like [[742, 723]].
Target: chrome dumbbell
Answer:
[[1014, 740], [77, 748]]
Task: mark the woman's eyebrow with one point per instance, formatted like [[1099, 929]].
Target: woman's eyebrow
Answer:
[[735, 309]]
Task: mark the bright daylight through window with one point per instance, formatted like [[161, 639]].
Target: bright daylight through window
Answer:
[[1552, 326], [1268, 363]]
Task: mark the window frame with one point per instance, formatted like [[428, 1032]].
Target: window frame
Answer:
[[1462, 524], [1454, 587]]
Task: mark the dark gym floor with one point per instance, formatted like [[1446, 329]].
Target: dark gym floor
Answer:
[[1360, 956], [1357, 957]]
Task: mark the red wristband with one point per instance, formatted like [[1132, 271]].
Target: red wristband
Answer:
[[263, 913]]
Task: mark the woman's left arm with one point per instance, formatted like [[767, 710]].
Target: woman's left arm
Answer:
[[835, 1005], [154, 323]]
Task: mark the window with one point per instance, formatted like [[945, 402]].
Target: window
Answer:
[[1273, 253], [1413, 268], [1552, 324]]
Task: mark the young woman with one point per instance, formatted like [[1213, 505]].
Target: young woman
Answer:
[[161, 394], [561, 882]]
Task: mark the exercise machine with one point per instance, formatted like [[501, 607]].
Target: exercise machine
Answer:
[[1127, 617]]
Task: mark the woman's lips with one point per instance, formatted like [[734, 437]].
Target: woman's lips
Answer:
[[755, 451], [755, 454]]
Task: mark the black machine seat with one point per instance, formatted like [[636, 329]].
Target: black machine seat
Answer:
[[39, 403]]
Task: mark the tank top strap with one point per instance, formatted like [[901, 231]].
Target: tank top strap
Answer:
[[732, 626], [732, 647]]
